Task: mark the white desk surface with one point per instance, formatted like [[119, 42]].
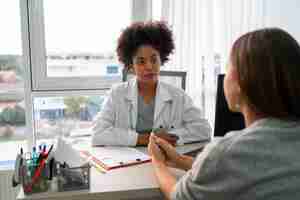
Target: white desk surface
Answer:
[[134, 182]]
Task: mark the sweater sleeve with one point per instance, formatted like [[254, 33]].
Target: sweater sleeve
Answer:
[[203, 181]]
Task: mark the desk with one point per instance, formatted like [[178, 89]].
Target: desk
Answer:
[[134, 182]]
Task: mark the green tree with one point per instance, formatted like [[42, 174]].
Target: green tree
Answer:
[[12, 62], [13, 116], [73, 105]]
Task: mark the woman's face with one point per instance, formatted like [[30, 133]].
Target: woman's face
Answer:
[[232, 88], [146, 64]]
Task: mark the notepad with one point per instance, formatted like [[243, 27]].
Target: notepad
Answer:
[[116, 157]]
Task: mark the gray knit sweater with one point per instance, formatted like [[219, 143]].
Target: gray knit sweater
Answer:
[[261, 162]]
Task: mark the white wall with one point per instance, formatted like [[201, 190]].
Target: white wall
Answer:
[[284, 14]]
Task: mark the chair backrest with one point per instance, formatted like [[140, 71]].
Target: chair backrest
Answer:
[[225, 120], [177, 78]]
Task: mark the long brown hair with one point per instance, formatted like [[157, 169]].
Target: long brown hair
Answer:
[[268, 65]]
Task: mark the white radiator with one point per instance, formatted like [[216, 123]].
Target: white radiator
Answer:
[[7, 192]]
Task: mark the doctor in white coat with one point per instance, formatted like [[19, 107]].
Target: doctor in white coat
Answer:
[[143, 105]]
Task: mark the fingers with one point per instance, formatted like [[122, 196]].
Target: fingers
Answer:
[[171, 157], [164, 144], [151, 145], [154, 150]]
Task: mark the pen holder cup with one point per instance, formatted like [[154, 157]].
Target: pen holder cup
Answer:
[[34, 177], [73, 178]]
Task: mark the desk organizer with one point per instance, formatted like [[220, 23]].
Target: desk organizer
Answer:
[[51, 175], [34, 178]]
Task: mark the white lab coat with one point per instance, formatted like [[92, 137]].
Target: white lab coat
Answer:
[[174, 111]]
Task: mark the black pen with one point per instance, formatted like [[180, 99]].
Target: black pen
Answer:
[[44, 155], [49, 151]]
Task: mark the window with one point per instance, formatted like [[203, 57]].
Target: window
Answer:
[[78, 49], [83, 44], [73, 59], [73, 52], [12, 105], [157, 9], [67, 116]]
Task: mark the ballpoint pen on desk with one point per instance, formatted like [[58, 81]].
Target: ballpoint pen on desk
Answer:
[[97, 166]]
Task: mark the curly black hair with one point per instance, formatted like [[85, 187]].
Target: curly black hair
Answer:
[[156, 34]]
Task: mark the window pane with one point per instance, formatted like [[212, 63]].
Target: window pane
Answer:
[[81, 36], [69, 116], [156, 9], [12, 106]]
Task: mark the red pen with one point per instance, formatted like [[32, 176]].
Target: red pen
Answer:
[[37, 173], [41, 164]]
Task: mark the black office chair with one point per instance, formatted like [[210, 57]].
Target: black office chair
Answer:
[[177, 78], [225, 120]]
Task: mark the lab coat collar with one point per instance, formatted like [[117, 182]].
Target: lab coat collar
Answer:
[[131, 98], [162, 93], [132, 90], [162, 98]]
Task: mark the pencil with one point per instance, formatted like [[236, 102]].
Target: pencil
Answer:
[[98, 167]]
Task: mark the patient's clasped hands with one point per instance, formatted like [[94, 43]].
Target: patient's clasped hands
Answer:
[[163, 152]]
